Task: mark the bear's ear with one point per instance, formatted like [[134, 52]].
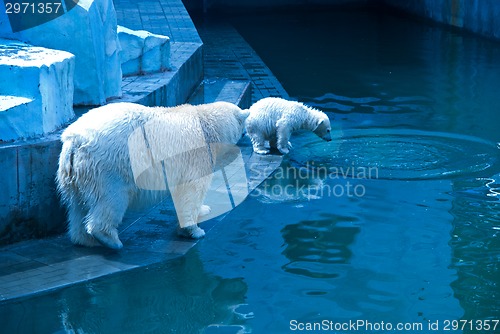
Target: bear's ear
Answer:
[[244, 114], [318, 124]]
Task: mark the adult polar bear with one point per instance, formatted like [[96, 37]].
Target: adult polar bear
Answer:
[[274, 119], [110, 154]]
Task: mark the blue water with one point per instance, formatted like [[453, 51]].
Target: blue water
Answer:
[[397, 220]]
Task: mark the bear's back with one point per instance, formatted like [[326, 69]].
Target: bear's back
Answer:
[[107, 121]]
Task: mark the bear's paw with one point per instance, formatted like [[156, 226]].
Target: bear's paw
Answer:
[[193, 232], [108, 239]]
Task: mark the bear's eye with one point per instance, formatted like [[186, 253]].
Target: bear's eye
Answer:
[[328, 130]]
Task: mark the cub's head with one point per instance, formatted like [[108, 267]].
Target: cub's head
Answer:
[[323, 128]]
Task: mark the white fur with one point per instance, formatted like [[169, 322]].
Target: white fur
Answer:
[[112, 153], [274, 119]]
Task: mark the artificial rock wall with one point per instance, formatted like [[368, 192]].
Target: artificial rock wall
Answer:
[[36, 90], [88, 31]]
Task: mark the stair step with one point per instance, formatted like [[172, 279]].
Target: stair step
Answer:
[[211, 90]]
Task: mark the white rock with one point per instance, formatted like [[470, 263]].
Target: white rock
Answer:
[[37, 90], [89, 32], [143, 52]]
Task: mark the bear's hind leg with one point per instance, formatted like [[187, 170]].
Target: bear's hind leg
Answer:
[[104, 218], [76, 227]]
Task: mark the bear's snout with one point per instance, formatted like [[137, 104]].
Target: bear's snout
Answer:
[[327, 137]]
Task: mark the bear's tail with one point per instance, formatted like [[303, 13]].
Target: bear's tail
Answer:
[[65, 173]]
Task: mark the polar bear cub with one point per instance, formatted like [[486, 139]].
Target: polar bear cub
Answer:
[[274, 119], [113, 153]]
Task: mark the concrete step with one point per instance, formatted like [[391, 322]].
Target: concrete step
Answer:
[[37, 88], [14, 110], [143, 52], [169, 88], [234, 91]]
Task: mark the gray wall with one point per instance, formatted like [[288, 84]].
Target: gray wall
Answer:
[[29, 205], [479, 16], [263, 4]]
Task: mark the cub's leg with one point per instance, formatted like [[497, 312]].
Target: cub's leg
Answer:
[[258, 143], [283, 133], [273, 141]]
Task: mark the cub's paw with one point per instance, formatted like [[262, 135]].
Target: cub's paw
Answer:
[[261, 151], [284, 150], [193, 232], [204, 210]]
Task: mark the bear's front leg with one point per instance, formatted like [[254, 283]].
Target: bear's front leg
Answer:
[[187, 199], [273, 143], [193, 232]]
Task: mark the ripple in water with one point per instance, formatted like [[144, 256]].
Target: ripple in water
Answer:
[[399, 154]]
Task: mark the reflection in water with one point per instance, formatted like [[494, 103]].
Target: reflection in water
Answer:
[[177, 297], [386, 258], [315, 247], [290, 184]]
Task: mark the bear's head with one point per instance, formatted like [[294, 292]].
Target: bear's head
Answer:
[[323, 128]]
